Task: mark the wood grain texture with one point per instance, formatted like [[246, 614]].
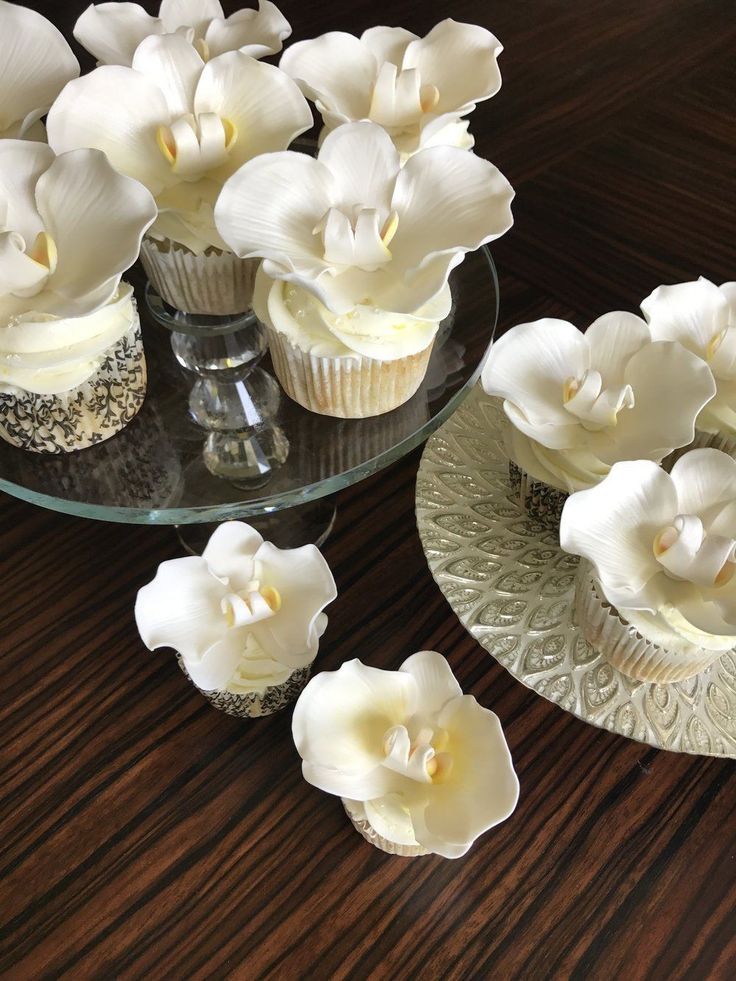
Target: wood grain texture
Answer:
[[143, 834]]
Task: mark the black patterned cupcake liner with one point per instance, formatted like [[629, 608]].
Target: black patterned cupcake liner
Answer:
[[253, 705], [537, 499]]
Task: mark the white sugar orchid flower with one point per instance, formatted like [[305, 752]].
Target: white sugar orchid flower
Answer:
[[69, 227], [702, 317], [663, 543], [355, 228], [427, 761], [112, 31], [243, 607], [180, 126], [578, 403], [416, 88], [36, 64]]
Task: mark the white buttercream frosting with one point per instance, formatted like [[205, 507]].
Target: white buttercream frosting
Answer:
[[48, 355], [366, 331], [671, 631], [256, 671], [566, 470]]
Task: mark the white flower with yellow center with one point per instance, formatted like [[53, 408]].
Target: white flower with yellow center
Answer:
[[245, 614], [35, 66], [112, 31], [578, 403], [664, 544], [430, 765], [418, 89], [180, 126], [702, 317]]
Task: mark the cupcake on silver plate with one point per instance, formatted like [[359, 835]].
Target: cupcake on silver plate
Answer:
[[245, 618], [182, 120], [657, 592], [72, 368], [421, 768], [575, 404], [702, 317]]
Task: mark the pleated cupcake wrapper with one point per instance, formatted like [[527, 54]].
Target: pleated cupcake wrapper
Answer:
[[214, 283], [622, 644], [349, 388], [366, 829], [83, 416], [253, 705], [703, 440], [537, 499]]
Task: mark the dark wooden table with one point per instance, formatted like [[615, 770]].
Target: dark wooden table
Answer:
[[146, 835]]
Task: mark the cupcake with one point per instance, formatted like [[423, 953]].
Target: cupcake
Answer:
[[245, 618], [357, 253], [181, 125], [574, 404], [417, 89], [421, 768], [657, 594], [702, 317], [72, 368]]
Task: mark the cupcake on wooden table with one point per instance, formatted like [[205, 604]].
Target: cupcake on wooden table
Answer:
[[421, 768], [72, 368], [182, 125], [357, 254], [657, 594], [575, 404], [245, 618]]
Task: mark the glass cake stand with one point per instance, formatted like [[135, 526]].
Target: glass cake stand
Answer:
[[211, 449]]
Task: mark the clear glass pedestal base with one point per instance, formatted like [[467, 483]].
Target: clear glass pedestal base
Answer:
[[308, 524]]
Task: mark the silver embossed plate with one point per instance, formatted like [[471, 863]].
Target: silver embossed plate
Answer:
[[512, 587]]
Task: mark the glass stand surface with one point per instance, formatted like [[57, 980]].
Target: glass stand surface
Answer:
[[217, 439]]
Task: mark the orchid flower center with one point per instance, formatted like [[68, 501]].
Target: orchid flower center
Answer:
[[255, 602], [688, 552], [361, 240], [595, 406], [721, 352], [422, 758], [193, 145], [399, 99], [25, 271]]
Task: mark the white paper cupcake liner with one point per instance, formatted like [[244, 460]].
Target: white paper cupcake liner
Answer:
[[537, 499], [253, 705], [356, 813], [620, 642], [215, 283], [83, 416], [349, 388]]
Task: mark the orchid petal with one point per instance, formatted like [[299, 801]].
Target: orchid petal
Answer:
[[436, 684], [388, 43], [81, 117], [614, 525], [270, 207], [78, 196], [342, 716], [36, 64], [189, 13], [218, 663], [254, 32], [180, 608], [461, 60], [447, 201], [230, 551], [21, 165], [369, 784], [612, 339], [364, 165], [705, 481], [691, 313], [19, 272], [173, 64], [263, 104], [529, 366], [112, 31], [336, 70]]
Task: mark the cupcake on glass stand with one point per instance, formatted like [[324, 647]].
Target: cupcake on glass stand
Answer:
[[421, 768], [702, 317], [657, 592], [245, 618], [356, 253], [574, 404], [72, 367]]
